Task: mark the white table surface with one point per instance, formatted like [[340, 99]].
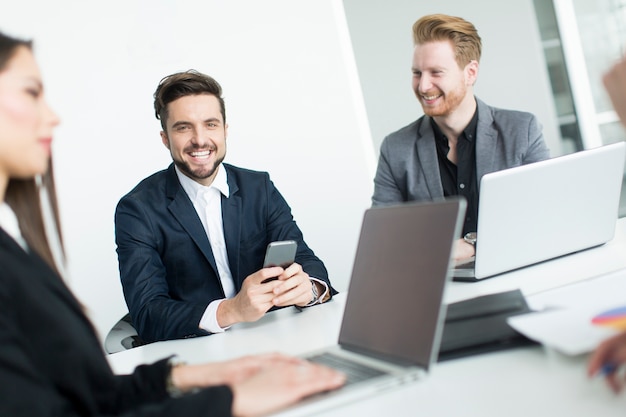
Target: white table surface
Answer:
[[530, 381]]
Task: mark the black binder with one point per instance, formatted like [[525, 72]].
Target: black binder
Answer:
[[478, 325]]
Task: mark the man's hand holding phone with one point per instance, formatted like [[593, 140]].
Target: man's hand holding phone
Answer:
[[254, 299], [281, 282], [281, 253], [295, 285]]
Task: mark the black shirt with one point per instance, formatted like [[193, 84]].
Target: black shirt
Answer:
[[460, 179]]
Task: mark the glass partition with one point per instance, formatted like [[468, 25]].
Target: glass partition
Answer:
[[581, 39]]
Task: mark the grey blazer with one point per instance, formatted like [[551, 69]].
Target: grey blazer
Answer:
[[408, 168]]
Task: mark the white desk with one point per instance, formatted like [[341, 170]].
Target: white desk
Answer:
[[528, 381]]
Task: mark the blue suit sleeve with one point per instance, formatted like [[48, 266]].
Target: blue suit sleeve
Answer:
[[155, 314]]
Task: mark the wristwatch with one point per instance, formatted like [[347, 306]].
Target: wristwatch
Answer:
[[170, 387], [316, 295], [470, 238]]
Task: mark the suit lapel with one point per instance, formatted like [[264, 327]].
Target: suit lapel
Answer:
[[428, 160], [183, 211], [231, 221], [486, 141]]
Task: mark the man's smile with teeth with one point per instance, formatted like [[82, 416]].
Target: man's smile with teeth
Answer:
[[431, 97], [201, 154]]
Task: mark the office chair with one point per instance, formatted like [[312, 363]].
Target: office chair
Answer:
[[122, 336]]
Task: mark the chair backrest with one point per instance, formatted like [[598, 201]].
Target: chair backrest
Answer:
[[122, 336]]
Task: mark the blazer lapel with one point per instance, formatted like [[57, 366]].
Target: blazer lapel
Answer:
[[428, 160], [486, 141], [231, 221], [183, 211]]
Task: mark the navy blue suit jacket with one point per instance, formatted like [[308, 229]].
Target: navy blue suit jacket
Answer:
[[167, 267]]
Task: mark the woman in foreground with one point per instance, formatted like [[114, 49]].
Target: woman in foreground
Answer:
[[51, 361]]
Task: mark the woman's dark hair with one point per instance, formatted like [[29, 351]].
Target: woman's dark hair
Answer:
[[24, 195]]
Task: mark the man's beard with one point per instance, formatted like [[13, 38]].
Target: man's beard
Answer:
[[200, 173], [450, 103]]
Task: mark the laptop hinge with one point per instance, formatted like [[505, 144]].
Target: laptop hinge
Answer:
[[380, 356]]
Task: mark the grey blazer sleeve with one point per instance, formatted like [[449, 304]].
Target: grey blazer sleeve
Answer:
[[537, 148], [386, 189]]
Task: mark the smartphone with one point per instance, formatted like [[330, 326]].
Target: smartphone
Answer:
[[281, 253]]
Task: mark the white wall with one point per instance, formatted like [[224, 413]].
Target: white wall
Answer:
[[293, 102], [513, 72], [291, 99]]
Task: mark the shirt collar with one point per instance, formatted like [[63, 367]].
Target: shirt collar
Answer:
[[470, 129], [8, 221], [192, 188], [469, 132], [439, 137]]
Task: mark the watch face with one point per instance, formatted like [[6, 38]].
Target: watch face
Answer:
[[470, 237]]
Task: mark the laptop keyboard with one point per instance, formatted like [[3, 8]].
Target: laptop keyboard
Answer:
[[354, 371]]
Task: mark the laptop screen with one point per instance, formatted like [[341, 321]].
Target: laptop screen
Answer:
[[539, 211], [393, 307]]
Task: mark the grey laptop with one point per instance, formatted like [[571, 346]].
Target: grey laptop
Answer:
[[544, 210], [393, 316]]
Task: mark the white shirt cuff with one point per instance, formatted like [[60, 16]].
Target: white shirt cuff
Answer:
[[321, 296], [208, 321]]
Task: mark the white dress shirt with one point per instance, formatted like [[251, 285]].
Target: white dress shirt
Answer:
[[8, 221], [208, 204]]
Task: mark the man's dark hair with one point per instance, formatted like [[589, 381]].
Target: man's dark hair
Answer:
[[181, 84]]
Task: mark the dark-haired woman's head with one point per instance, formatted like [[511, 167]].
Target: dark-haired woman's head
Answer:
[[26, 126]]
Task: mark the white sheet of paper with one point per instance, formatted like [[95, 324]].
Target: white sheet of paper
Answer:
[[565, 323], [569, 331], [609, 289]]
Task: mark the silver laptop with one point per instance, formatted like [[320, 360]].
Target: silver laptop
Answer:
[[393, 316], [544, 210]]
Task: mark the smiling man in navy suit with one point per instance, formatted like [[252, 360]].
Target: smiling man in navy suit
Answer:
[[191, 239]]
